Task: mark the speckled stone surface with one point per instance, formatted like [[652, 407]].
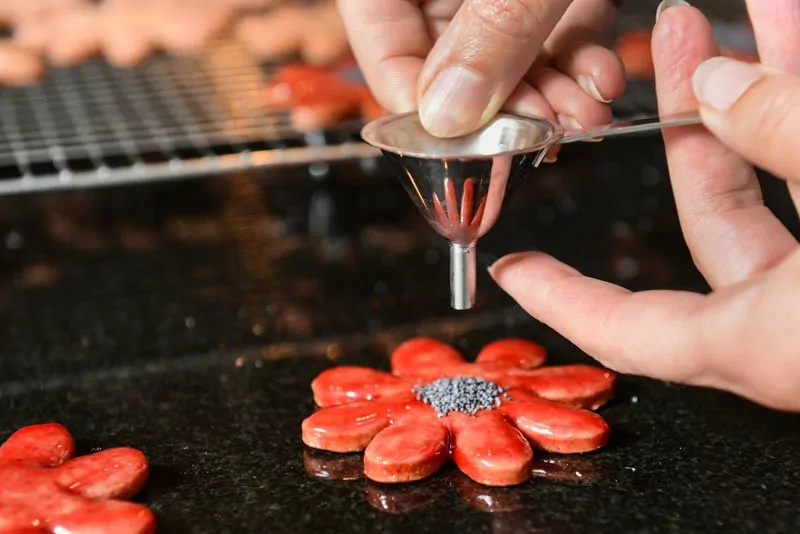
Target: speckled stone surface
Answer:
[[196, 341], [187, 319]]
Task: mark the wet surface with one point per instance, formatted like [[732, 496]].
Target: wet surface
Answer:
[[188, 319]]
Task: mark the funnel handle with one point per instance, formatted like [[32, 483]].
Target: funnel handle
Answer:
[[646, 124]]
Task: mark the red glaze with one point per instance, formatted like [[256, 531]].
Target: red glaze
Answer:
[[91, 477], [578, 385], [489, 450], [633, 48], [317, 98], [513, 352], [349, 384], [454, 215], [404, 439], [369, 107], [346, 428], [422, 355], [555, 427], [47, 492], [411, 411], [407, 452], [45, 445]]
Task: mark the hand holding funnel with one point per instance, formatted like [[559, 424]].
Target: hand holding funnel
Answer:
[[461, 184]]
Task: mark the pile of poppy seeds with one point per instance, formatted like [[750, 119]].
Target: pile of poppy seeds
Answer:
[[464, 394]]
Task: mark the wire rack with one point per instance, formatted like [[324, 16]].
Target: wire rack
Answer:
[[95, 125]]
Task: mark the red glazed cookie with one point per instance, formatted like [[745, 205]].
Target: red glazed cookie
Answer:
[[486, 415], [44, 490], [318, 98]]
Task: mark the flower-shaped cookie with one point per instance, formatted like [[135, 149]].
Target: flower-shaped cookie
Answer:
[[42, 490], [434, 406]]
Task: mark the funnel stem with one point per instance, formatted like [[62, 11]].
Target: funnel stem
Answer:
[[462, 276]]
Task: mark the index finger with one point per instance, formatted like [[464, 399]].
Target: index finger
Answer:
[[729, 230], [638, 333], [390, 41]]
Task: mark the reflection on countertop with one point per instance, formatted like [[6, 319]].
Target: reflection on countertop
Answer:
[[188, 319]]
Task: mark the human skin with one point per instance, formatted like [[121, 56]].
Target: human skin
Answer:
[[741, 337], [460, 61]]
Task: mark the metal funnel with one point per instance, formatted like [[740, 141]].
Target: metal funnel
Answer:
[[461, 184]]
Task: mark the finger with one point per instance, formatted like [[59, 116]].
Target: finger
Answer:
[[575, 45], [200, 24], [18, 65], [17, 11], [274, 35], [325, 40], [597, 70], [775, 25], [585, 20], [526, 100], [573, 107], [125, 42], [480, 59], [671, 335], [76, 37], [34, 33], [753, 110], [390, 41], [637, 333], [730, 232]]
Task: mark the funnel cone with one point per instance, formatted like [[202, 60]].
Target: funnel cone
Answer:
[[460, 185]]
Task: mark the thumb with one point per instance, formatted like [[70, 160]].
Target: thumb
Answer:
[[753, 109], [479, 60]]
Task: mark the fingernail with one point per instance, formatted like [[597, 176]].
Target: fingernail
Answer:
[[502, 265], [720, 82], [512, 268], [569, 123], [587, 84], [550, 159], [455, 102], [666, 4]]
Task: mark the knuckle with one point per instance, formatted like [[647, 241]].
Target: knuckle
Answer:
[[515, 19]]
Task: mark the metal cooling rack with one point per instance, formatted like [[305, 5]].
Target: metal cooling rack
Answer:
[[95, 125]]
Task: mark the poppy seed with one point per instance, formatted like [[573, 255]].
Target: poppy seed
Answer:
[[464, 394]]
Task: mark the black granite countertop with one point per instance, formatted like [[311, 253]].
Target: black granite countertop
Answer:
[[188, 319]]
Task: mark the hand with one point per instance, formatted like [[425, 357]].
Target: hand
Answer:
[[459, 61], [743, 336]]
